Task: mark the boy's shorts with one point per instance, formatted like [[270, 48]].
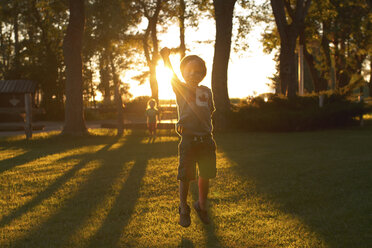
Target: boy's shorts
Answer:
[[196, 149]]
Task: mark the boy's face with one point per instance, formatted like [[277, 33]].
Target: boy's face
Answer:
[[193, 73]]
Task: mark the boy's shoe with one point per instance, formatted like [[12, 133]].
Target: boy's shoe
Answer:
[[185, 219], [203, 214]]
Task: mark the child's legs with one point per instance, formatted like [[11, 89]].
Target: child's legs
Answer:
[[184, 190], [207, 169], [186, 168], [151, 129], [203, 192]]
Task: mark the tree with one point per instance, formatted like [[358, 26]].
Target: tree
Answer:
[[317, 77], [289, 19], [47, 20], [224, 22], [108, 22], [350, 40], [110, 39], [181, 18], [335, 37], [151, 11], [30, 44], [5, 39], [72, 47]]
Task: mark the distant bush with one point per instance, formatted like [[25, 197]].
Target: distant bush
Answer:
[[53, 111], [100, 114], [106, 111], [301, 113], [137, 105]]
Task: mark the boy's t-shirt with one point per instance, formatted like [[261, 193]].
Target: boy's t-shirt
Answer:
[[195, 108], [151, 114]]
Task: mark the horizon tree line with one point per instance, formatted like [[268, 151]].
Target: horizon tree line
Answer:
[[335, 40]]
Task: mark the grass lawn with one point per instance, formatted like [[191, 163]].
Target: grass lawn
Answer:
[[306, 189]]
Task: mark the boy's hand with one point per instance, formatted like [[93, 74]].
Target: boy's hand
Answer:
[[165, 52]]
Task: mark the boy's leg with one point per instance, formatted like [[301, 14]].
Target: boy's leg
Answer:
[[203, 192], [207, 170], [184, 209], [200, 206], [184, 190], [186, 173]]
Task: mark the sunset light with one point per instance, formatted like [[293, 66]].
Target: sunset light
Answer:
[[248, 71], [113, 133], [164, 76]]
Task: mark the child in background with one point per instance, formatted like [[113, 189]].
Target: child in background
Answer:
[[197, 146], [152, 115]]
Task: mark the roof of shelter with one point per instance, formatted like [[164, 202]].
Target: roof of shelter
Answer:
[[17, 86]]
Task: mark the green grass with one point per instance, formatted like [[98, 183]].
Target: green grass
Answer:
[[308, 189]]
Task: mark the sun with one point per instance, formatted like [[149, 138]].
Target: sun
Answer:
[[164, 77]]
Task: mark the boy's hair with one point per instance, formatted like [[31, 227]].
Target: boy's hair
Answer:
[[188, 58], [151, 103]]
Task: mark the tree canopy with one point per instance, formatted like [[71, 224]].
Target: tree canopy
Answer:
[[120, 35]]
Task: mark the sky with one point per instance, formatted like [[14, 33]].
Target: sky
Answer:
[[248, 71]]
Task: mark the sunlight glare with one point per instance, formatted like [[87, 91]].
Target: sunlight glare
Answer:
[[98, 97], [164, 77]]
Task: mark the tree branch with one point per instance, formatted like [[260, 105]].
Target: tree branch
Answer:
[[289, 8], [280, 18], [145, 12]]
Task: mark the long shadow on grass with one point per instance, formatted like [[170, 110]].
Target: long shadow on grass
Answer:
[[48, 192], [77, 209], [38, 148], [186, 243], [117, 219], [75, 212], [209, 230], [321, 178]]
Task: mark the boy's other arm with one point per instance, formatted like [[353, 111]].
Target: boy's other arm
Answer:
[[165, 52]]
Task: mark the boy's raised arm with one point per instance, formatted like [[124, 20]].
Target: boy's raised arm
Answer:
[[165, 52]]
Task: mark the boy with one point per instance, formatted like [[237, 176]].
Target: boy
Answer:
[[195, 108], [152, 115]]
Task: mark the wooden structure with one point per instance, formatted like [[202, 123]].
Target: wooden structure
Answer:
[[16, 98]]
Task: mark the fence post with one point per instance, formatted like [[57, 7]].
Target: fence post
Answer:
[[360, 98], [321, 101], [28, 126]]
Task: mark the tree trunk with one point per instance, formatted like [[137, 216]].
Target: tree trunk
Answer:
[[327, 54], [342, 72], [104, 78], [182, 28], [2, 64], [16, 69], [224, 16], [288, 69], [288, 35], [118, 100], [72, 46], [154, 82], [153, 59], [318, 83]]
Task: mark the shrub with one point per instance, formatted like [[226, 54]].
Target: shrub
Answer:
[[300, 113], [101, 113], [137, 105]]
